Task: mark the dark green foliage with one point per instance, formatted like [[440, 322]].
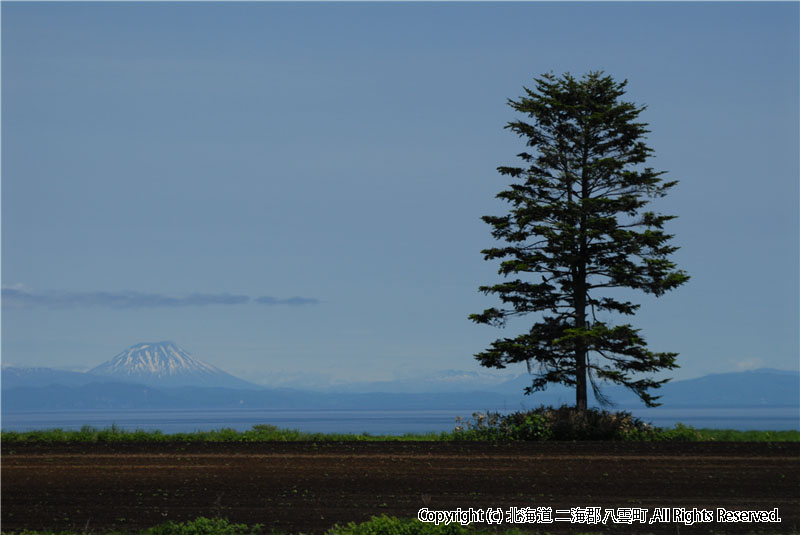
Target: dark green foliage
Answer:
[[204, 526], [548, 423], [385, 525], [577, 227], [494, 426], [680, 432], [733, 435], [529, 425], [378, 525], [259, 433], [569, 423]]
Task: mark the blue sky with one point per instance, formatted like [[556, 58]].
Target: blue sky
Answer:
[[297, 188]]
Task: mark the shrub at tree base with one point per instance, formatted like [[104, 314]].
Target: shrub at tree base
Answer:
[[384, 525], [204, 526], [378, 525], [681, 432], [563, 423]]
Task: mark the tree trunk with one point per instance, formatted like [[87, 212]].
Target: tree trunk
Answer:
[[580, 353], [580, 286], [580, 323]]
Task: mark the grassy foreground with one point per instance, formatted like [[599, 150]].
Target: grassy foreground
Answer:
[[382, 525], [265, 433]]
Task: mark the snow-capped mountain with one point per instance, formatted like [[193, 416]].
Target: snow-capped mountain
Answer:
[[165, 364]]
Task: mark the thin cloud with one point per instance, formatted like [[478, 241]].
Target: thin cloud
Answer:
[[268, 300], [16, 297]]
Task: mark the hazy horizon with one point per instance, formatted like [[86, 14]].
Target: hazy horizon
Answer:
[[488, 377], [295, 188]]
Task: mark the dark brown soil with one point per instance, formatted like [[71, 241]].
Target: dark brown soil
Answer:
[[308, 487]]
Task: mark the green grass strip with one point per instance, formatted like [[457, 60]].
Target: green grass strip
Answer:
[[382, 525], [264, 433]]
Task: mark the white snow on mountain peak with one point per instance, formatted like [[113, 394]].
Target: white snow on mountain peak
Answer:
[[155, 360]]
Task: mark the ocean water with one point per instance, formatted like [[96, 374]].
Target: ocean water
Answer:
[[383, 422]]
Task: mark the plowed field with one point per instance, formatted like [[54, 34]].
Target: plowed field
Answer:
[[307, 487]]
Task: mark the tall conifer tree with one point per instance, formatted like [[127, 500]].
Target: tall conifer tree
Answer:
[[576, 228]]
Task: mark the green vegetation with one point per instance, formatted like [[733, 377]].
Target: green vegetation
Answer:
[[204, 526], [732, 435], [378, 525], [384, 525], [259, 433], [564, 423], [568, 423], [543, 423]]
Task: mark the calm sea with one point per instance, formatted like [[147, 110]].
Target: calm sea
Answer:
[[362, 421]]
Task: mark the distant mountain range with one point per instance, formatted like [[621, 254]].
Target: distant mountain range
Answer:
[[14, 377], [754, 388], [162, 375], [442, 381]]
